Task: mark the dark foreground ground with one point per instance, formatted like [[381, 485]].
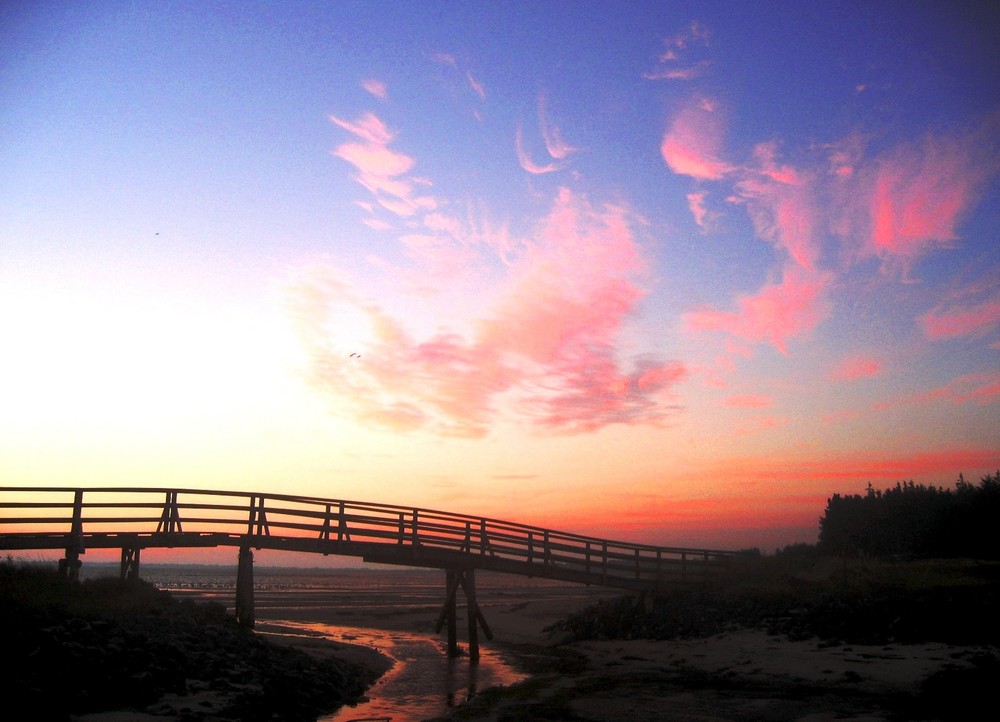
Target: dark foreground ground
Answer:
[[782, 639], [72, 649]]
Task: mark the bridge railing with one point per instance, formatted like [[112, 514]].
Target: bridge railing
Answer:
[[56, 517]]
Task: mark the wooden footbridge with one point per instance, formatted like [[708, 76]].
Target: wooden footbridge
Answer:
[[74, 520]]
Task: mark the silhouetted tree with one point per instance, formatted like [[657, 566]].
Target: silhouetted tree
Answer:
[[914, 520]]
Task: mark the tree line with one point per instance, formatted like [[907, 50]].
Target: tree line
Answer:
[[915, 521]]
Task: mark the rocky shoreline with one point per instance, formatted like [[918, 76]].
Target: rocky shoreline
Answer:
[[79, 651]]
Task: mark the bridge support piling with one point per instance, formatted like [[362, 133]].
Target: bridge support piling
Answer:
[[130, 564], [472, 612], [69, 566], [244, 589], [465, 578]]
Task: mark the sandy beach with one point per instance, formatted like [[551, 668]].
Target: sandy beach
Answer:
[[738, 675]]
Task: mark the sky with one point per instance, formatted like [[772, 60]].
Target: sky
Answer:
[[671, 273]]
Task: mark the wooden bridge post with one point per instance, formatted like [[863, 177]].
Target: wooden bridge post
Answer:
[[452, 582], [244, 589], [472, 612], [130, 564], [448, 612], [466, 578]]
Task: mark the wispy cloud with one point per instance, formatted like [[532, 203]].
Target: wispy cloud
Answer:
[[749, 401], [759, 424], [913, 197], [696, 204], [856, 367], [693, 142], [381, 169], [972, 310], [556, 147], [675, 62], [776, 314], [780, 202], [853, 469], [464, 76], [525, 160], [375, 87], [554, 143], [974, 388]]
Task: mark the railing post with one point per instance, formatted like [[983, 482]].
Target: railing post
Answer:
[[484, 541], [70, 565], [257, 523], [547, 553], [400, 530], [587, 563], [531, 547], [324, 531], [342, 525], [416, 529], [170, 519]]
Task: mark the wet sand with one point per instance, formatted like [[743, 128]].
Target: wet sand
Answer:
[[740, 675]]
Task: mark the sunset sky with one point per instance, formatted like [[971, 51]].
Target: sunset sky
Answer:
[[662, 272]]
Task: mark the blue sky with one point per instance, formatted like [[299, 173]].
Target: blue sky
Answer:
[[702, 264]]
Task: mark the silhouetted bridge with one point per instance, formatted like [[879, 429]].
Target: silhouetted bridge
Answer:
[[73, 520]]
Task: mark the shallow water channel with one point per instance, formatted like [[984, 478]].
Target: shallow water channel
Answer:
[[423, 682]]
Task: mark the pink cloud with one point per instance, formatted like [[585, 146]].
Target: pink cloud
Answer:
[[696, 203], [980, 389], [526, 162], [382, 170], [557, 148], [476, 85], [554, 143], [674, 63], [863, 466], [780, 201], [749, 401], [373, 160], [539, 349], [760, 424], [776, 314], [836, 417], [369, 128], [692, 143], [375, 87], [956, 320], [916, 195], [856, 367]]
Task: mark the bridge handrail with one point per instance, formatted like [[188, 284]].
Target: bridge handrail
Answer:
[[287, 517]]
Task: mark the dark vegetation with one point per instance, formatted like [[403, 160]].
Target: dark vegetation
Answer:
[[78, 647], [801, 594], [909, 564], [915, 521]]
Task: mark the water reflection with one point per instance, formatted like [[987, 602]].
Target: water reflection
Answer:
[[423, 682]]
